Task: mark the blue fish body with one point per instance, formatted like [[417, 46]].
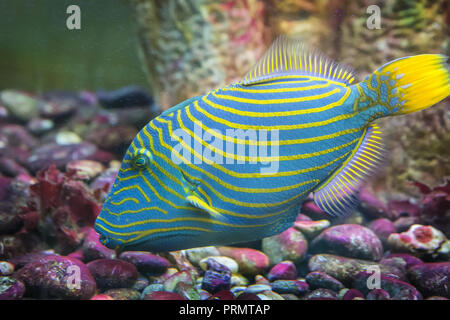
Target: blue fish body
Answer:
[[236, 164]]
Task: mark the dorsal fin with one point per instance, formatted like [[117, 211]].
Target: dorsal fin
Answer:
[[287, 56], [336, 195]]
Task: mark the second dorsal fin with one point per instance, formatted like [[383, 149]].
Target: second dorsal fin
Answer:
[[288, 56]]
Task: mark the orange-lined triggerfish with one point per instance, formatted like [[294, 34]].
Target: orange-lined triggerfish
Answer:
[[236, 164]]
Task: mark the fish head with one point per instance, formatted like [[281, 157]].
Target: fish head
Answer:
[[128, 215]]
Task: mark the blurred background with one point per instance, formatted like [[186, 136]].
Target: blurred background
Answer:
[[38, 52], [175, 49]]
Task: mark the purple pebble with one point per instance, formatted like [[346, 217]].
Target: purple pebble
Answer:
[[146, 262], [378, 294], [11, 289], [113, 273], [217, 277], [284, 270], [352, 294]]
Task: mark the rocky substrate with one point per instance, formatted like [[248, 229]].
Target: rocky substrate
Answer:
[[59, 155]]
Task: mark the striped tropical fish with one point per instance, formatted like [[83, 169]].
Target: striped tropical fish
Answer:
[[236, 164]]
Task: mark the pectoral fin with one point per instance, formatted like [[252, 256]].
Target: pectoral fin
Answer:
[[195, 200], [198, 202]]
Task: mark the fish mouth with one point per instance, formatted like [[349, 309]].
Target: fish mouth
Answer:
[[104, 240], [111, 244]]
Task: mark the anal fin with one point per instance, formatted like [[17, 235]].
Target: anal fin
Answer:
[[336, 196]]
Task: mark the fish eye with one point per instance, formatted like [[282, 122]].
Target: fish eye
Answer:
[[140, 161], [141, 158]]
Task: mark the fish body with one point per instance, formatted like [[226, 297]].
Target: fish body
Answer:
[[236, 164]]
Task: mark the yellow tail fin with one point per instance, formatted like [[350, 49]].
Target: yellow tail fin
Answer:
[[418, 82]]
